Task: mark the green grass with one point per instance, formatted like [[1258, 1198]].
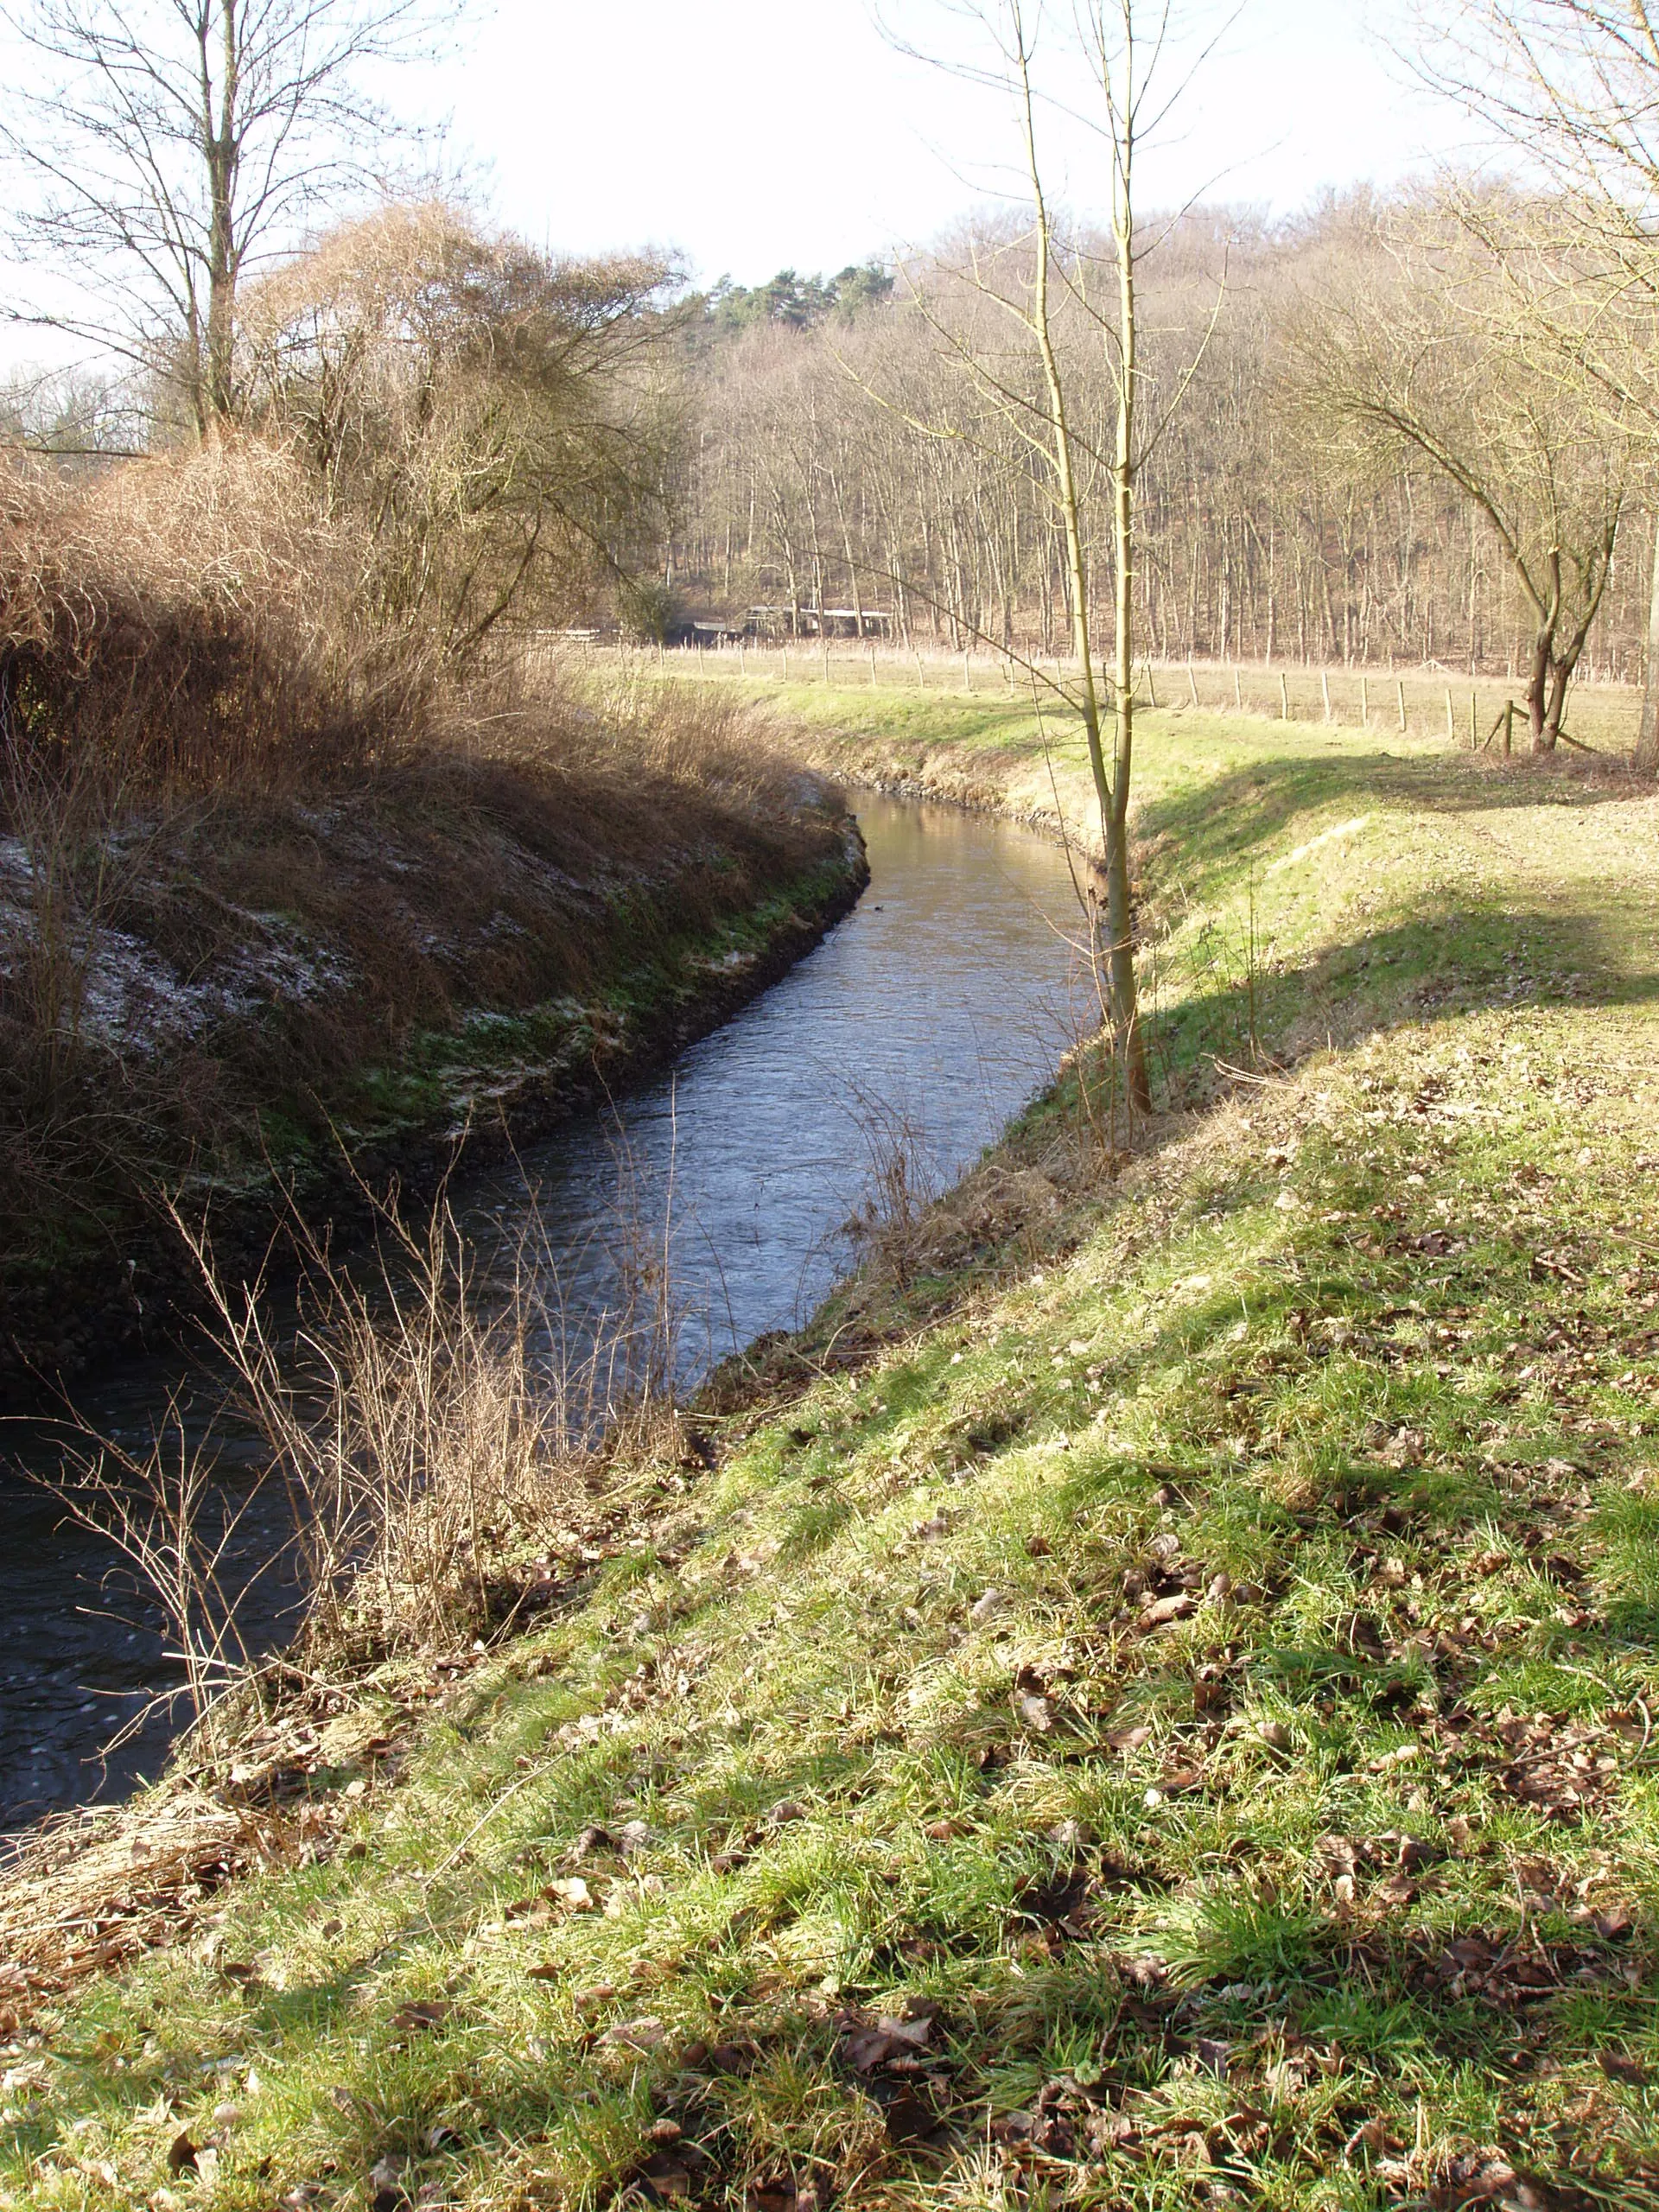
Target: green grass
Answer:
[[1336, 1886]]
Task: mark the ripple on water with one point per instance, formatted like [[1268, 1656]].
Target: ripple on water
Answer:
[[944, 997]]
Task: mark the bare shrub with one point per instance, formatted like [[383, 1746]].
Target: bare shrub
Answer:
[[56, 868], [901, 1182], [190, 620], [427, 1425], [408, 1433], [176, 1528], [503, 425], [427, 1432]]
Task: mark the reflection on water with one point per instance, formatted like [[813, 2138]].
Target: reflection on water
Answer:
[[945, 997]]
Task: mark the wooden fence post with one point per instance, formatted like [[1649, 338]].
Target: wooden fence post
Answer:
[[1474, 725], [1284, 698], [1325, 691], [1364, 705], [1238, 692], [1451, 719], [1509, 727], [1400, 694], [1152, 686], [1192, 683]]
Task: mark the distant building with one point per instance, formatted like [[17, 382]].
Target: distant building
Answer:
[[818, 622]]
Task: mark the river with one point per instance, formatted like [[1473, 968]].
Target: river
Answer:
[[940, 1004]]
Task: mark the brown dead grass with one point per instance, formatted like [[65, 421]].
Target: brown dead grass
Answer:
[[189, 622], [526, 843]]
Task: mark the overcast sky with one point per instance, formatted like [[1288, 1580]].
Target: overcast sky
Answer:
[[752, 135]]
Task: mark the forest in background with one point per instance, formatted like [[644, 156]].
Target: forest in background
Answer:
[[546, 442], [846, 459]]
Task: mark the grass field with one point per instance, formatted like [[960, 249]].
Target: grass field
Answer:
[[1164, 1718], [1434, 703]]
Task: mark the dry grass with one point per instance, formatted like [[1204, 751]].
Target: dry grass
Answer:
[[190, 622], [213, 960], [430, 1429]]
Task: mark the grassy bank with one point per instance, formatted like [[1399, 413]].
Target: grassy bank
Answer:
[[1159, 1715], [202, 995]]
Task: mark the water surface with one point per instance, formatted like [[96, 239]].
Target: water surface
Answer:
[[940, 1004]]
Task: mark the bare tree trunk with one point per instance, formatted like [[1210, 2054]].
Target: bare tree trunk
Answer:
[[1647, 742], [1538, 689], [1120, 908], [222, 148], [1112, 793]]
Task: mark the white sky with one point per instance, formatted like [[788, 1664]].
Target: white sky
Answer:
[[755, 134]]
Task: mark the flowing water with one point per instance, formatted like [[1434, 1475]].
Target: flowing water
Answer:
[[926, 1019]]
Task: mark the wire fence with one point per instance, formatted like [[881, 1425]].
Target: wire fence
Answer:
[[1487, 710]]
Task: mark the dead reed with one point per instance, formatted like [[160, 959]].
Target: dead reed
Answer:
[[426, 1422], [190, 621]]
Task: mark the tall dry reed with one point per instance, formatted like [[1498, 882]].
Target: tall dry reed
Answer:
[[189, 620]]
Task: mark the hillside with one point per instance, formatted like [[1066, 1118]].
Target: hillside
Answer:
[[216, 997], [1154, 1703]]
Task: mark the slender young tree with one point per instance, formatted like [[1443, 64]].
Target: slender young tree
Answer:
[[166, 145], [1051, 279]]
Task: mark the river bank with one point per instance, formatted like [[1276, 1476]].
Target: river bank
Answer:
[[1149, 1704], [734, 1171], [288, 996]]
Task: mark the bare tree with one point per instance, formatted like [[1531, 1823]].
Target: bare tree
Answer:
[[1422, 353], [1042, 278], [168, 145], [1253, 539], [1574, 86]]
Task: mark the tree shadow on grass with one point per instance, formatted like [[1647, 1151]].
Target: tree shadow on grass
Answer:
[[1480, 958], [1217, 825]]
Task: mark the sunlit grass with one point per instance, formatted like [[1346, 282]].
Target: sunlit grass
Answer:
[[1315, 1892]]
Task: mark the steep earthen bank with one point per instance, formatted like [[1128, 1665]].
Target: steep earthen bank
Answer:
[[288, 997]]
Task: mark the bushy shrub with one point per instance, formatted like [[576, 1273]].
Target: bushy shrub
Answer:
[[187, 621]]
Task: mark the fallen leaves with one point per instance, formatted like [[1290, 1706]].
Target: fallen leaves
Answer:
[[1129, 1739], [1510, 1971], [666, 2176], [1619, 2065], [573, 1893], [894, 2055], [867, 2046], [1163, 1612], [1067, 2126], [1059, 1901], [1034, 1710]]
